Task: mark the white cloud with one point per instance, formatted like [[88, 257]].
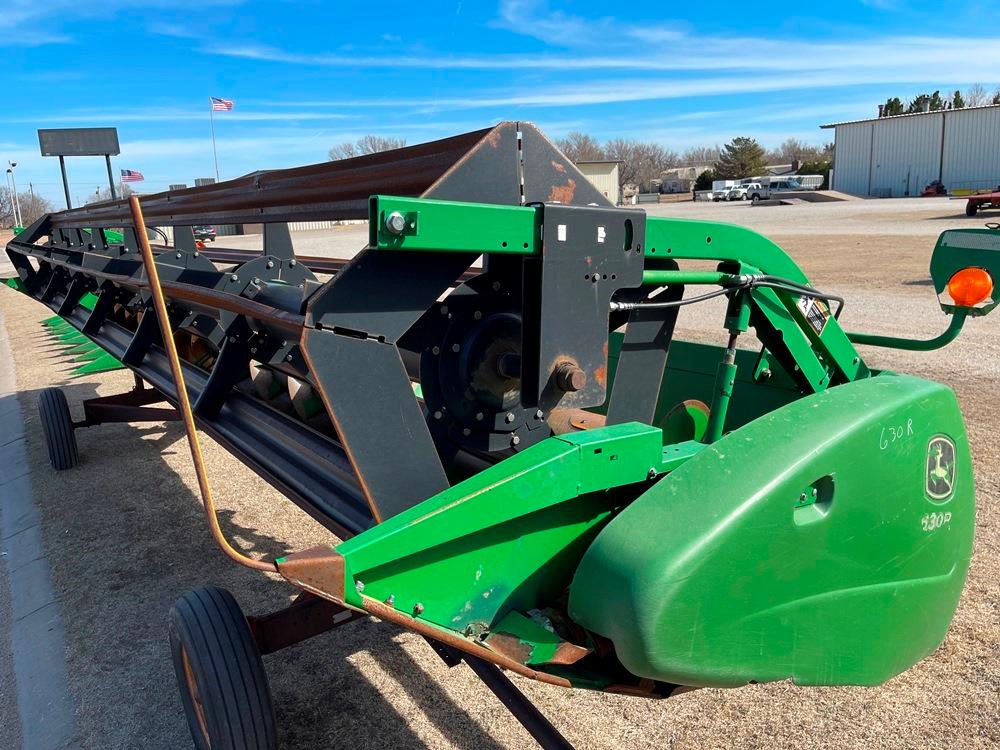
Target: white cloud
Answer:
[[172, 115], [30, 22], [622, 90]]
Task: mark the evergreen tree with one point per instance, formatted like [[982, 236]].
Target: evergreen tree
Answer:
[[893, 106], [957, 102], [705, 179], [741, 157]]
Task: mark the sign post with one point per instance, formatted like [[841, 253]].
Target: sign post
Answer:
[[63, 142]]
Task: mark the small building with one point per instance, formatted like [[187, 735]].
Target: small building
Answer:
[[604, 176], [897, 156], [681, 179]]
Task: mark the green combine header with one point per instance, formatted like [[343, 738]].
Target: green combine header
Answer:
[[489, 406]]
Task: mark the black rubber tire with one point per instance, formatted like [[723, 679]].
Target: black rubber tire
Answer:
[[755, 199], [971, 208], [57, 425], [220, 674]]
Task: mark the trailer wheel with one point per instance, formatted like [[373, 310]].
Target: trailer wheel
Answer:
[[57, 425], [971, 208], [220, 674]]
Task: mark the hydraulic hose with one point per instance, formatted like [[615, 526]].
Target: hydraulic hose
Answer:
[[183, 402]]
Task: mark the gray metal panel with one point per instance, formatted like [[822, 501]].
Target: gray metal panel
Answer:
[[853, 158], [972, 148], [906, 155]]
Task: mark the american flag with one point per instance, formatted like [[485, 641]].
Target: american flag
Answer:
[[221, 105], [132, 175]]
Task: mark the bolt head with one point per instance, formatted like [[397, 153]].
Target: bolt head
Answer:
[[456, 348], [435, 350], [234, 277], [418, 608], [438, 415], [291, 262], [270, 264], [651, 474], [479, 416], [515, 440], [395, 223], [539, 414], [508, 418], [569, 377], [359, 586]]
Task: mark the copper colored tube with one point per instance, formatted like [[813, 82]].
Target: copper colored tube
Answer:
[[183, 402]]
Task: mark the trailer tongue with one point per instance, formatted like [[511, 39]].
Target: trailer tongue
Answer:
[[526, 466]]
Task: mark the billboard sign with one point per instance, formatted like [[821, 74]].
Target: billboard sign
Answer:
[[78, 141]]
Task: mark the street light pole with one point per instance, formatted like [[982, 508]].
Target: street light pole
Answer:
[[18, 217]]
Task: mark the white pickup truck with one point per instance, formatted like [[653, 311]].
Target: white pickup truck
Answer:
[[753, 191]]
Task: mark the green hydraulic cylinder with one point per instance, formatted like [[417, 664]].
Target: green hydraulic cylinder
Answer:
[[737, 321]]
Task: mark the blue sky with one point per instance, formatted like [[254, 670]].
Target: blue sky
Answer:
[[307, 75]]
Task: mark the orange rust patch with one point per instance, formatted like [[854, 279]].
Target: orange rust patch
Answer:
[[563, 193], [601, 375], [568, 653], [493, 137], [510, 646], [558, 167], [318, 570]]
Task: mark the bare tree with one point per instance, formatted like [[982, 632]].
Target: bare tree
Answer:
[[793, 149], [369, 144], [698, 156], [122, 190], [580, 147], [976, 96], [639, 162], [6, 208], [32, 207]]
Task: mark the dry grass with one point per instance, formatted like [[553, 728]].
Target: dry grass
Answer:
[[125, 537]]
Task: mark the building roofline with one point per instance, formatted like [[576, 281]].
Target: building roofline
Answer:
[[909, 114], [598, 161]]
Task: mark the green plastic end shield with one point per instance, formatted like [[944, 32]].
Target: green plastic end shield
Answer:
[[826, 542]]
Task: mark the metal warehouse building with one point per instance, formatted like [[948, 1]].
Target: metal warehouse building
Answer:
[[603, 175], [892, 157]]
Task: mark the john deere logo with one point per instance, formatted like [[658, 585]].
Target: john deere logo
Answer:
[[940, 468]]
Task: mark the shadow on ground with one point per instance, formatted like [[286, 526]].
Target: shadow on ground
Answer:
[[127, 537]]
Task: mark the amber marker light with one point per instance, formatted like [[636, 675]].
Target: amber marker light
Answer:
[[970, 286]]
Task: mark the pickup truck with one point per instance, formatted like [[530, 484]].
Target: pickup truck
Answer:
[[753, 191]]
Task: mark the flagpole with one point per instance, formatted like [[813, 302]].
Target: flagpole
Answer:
[[215, 153]]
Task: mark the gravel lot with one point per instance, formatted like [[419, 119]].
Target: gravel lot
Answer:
[[125, 537]]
